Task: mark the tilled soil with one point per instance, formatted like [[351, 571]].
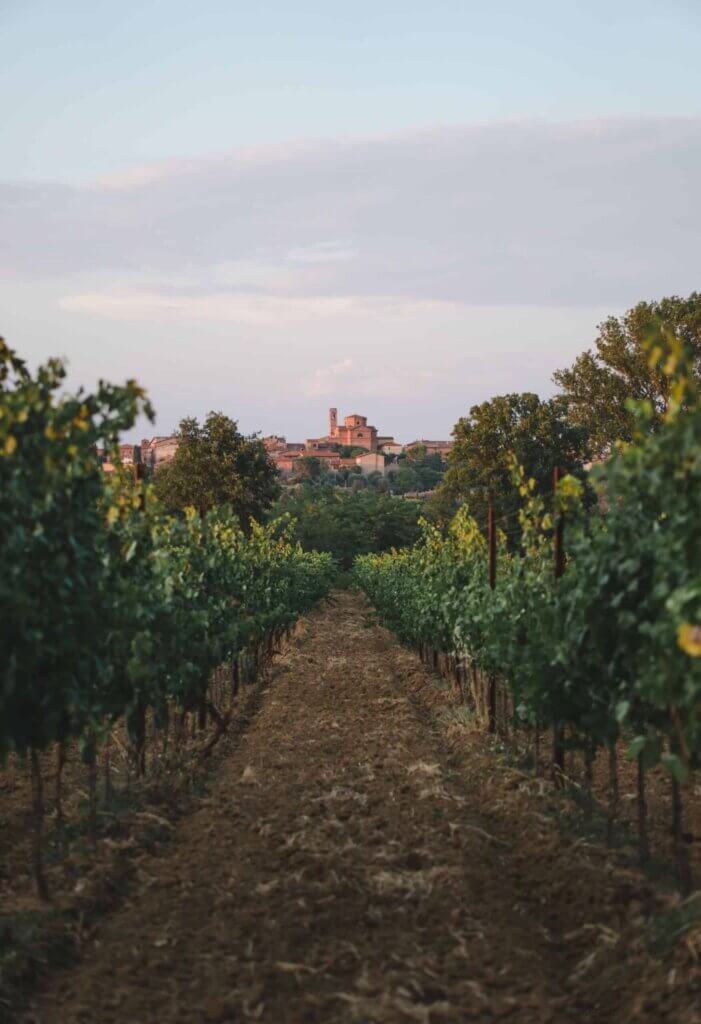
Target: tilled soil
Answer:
[[348, 866]]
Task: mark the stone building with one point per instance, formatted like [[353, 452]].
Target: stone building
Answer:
[[275, 443], [128, 455], [158, 450], [371, 462], [355, 431], [442, 448]]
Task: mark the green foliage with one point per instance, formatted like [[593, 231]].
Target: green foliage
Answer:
[[599, 383], [416, 471], [417, 453], [348, 523], [216, 465], [616, 641], [54, 587], [538, 434], [404, 480], [193, 592], [108, 605], [309, 467]]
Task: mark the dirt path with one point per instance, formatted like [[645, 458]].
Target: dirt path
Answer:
[[343, 869]]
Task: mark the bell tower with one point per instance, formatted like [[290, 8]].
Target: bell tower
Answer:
[[333, 422]]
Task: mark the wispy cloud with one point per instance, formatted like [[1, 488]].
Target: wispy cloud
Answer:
[[323, 252], [252, 309], [399, 382], [586, 212], [386, 382], [324, 380], [449, 264]]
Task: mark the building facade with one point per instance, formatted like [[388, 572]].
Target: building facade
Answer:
[[372, 462], [158, 450], [442, 448], [355, 431]]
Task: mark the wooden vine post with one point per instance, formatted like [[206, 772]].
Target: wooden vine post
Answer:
[[682, 863], [613, 793], [492, 544], [559, 567], [38, 826], [60, 765], [139, 715], [643, 841], [234, 676]]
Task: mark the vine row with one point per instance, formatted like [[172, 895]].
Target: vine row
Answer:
[[598, 647]]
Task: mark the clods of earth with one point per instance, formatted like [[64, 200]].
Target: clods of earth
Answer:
[[363, 856]]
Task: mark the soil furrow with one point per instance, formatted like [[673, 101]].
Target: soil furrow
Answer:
[[343, 869]]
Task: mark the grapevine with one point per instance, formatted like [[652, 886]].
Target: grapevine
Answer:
[[611, 649], [109, 608]]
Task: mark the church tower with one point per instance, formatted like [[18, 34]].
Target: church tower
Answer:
[[333, 422]]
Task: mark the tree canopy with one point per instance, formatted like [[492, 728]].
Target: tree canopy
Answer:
[[599, 382], [309, 467], [217, 465], [537, 433], [347, 522], [416, 470]]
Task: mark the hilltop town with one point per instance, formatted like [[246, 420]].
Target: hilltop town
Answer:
[[352, 445]]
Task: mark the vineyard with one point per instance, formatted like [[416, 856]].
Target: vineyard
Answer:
[[363, 842], [591, 630], [110, 610]]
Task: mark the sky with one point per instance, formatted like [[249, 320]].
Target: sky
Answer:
[[396, 208]]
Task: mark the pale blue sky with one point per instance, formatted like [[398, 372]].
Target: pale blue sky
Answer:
[[86, 87], [359, 196]]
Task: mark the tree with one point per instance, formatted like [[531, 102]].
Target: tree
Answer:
[[216, 465], [406, 479], [309, 467], [538, 434], [417, 470], [599, 382], [347, 522]]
